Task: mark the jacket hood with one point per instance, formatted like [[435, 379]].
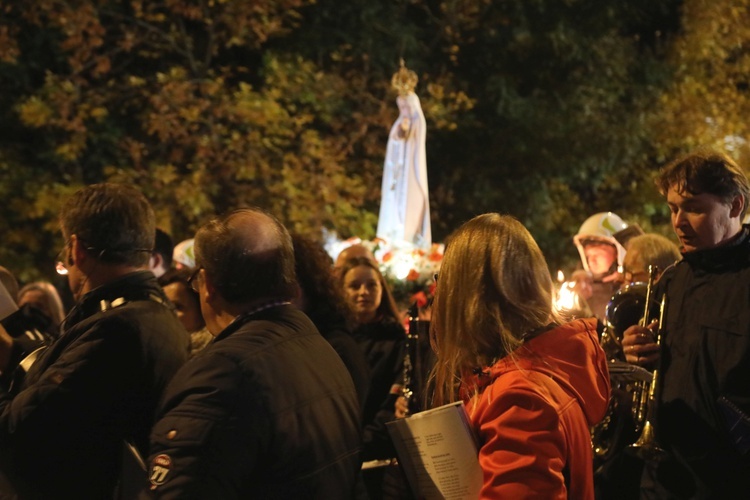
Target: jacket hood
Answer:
[[570, 354]]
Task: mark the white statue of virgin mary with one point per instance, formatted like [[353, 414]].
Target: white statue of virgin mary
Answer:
[[405, 204]]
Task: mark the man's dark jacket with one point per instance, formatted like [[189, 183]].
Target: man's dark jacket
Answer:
[[61, 436], [705, 357], [267, 410]]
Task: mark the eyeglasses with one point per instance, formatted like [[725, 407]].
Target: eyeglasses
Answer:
[[632, 276], [60, 267], [192, 280]]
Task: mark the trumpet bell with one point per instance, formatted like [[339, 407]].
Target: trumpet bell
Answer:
[[626, 307], [646, 447]]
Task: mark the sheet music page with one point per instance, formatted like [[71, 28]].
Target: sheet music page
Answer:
[[7, 304], [438, 452]]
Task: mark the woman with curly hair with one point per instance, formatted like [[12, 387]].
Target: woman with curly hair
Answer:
[[532, 386], [321, 298]]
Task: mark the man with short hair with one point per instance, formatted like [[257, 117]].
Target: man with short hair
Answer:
[[161, 257], [98, 384], [268, 409], [703, 392]]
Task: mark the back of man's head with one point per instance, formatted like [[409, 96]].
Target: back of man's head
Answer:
[[115, 222], [163, 246], [706, 172], [248, 256]]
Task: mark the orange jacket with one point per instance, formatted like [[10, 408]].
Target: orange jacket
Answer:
[[533, 412]]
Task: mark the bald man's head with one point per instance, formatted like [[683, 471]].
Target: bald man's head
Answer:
[[247, 255]]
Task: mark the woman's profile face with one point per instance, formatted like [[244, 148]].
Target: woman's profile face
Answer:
[[363, 291], [187, 307]]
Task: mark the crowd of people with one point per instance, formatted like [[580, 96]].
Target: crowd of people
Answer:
[[253, 366]]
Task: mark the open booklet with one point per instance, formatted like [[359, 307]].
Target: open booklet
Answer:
[[438, 452]]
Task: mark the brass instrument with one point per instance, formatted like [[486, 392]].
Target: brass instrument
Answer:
[[626, 414], [625, 309], [646, 446], [641, 404]]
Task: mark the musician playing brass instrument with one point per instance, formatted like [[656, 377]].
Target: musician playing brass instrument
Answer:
[[702, 400]]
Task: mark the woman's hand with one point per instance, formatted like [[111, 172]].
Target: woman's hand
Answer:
[[401, 407]]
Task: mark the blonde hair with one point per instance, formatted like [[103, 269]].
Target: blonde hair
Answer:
[[651, 249], [494, 287], [52, 303]]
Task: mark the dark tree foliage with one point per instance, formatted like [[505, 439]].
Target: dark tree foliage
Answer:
[[548, 110]]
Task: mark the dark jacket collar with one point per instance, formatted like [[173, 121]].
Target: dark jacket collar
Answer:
[[266, 311], [139, 285], [725, 257]]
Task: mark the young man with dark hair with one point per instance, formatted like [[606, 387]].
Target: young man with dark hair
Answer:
[[62, 434], [703, 388], [268, 409]]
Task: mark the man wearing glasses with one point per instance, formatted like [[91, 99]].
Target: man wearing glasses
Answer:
[[97, 385], [268, 409]]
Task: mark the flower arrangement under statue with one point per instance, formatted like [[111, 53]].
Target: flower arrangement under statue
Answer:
[[409, 270]]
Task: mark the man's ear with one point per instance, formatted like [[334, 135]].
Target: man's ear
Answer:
[[77, 254], [211, 292], [738, 204], [155, 261]]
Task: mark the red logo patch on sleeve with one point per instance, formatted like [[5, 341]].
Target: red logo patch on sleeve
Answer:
[[160, 466]]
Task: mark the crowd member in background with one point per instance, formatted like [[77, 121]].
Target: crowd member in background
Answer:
[[267, 410], [648, 250], [99, 383], [353, 252], [379, 334], [532, 386], [177, 287], [601, 255], [161, 257], [184, 254], [43, 296], [29, 327], [320, 296], [702, 404], [10, 283]]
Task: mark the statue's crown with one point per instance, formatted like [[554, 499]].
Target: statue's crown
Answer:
[[404, 80]]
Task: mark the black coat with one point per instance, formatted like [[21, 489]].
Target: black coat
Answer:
[[335, 331], [99, 383], [384, 346], [705, 356], [267, 410]]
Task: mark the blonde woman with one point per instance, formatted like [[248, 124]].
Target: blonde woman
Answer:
[[532, 386]]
